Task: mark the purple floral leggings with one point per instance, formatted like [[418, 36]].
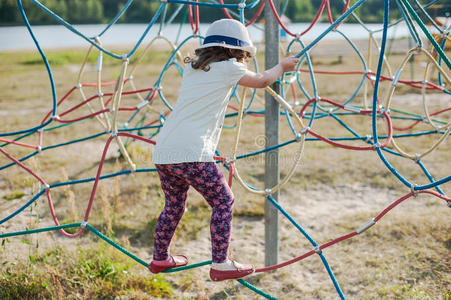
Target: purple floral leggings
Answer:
[[208, 180]]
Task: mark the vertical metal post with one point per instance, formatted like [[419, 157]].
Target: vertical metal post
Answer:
[[272, 137]]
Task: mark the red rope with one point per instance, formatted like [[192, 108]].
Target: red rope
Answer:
[[59, 102], [351, 234], [254, 18], [19, 144], [416, 122], [194, 23], [336, 144], [257, 14]]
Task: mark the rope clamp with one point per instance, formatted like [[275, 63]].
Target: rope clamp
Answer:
[[318, 250], [268, 192], [126, 125], [100, 94], [39, 149], [114, 133], [46, 186], [368, 138], [385, 111], [230, 160], [78, 86], [298, 137], [437, 127], [125, 58], [317, 99], [241, 5], [130, 77], [376, 145], [352, 108], [142, 104], [111, 110], [412, 189], [133, 169], [165, 1], [365, 226], [417, 157], [83, 224], [304, 130], [396, 77], [56, 117], [297, 36]]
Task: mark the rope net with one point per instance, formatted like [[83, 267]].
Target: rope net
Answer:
[[300, 100]]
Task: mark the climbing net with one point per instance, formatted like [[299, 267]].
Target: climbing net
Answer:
[[300, 114]]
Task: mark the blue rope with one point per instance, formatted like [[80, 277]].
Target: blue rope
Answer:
[[114, 20], [307, 236]]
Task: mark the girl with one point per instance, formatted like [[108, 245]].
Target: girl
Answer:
[[183, 155]]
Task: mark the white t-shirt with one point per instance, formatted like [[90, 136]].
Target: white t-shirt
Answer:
[[192, 130]]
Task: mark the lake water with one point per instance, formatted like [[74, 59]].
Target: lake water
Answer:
[[58, 36]]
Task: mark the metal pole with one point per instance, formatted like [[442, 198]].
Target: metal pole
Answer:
[[272, 137]]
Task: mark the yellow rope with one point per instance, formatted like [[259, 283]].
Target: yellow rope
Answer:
[[290, 173], [105, 116], [116, 101], [427, 114], [80, 88]]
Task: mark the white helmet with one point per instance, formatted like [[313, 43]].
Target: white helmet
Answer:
[[228, 33]]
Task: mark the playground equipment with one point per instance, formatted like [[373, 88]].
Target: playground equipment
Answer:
[[300, 117]]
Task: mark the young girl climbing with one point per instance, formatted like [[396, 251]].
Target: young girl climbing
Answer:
[[183, 155]]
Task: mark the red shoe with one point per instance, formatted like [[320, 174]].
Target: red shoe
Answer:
[[157, 266], [240, 271]]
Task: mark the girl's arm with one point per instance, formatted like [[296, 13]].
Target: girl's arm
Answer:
[[261, 80]]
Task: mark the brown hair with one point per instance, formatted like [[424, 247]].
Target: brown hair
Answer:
[[205, 56]]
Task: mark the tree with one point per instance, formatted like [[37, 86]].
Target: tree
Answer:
[[94, 12], [9, 12], [139, 12]]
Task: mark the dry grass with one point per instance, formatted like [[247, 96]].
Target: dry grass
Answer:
[[334, 191]]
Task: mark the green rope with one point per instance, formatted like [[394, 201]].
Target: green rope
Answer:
[[137, 259], [31, 231], [129, 254], [253, 288], [188, 267], [115, 245]]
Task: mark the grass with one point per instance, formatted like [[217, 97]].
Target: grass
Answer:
[[405, 256], [95, 272]]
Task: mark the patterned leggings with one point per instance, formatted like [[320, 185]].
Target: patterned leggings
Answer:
[[208, 180]]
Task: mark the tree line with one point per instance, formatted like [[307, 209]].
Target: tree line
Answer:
[[141, 11]]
